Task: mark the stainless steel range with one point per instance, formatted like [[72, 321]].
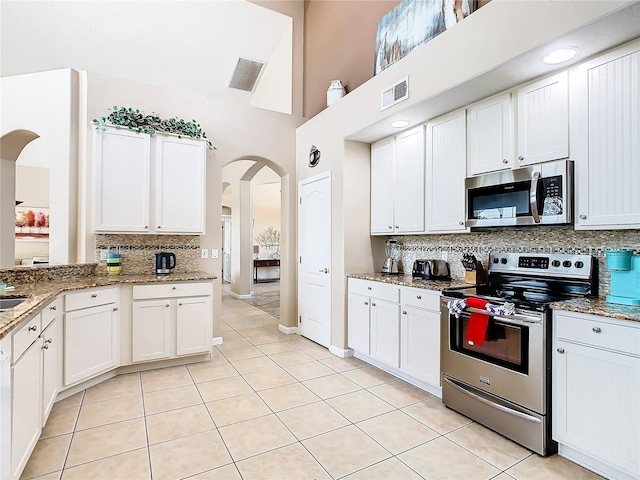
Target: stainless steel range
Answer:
[[503, 379]]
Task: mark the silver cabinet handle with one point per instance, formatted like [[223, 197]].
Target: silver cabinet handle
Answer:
[[504, 160], [366, 303], [419, 297], [45, 347], [397, 226], [146, 226], [583, 217], [173, 288], [390, 227], [53, 308], [368, 288], [460, 223], [520, 157], [167, 305], [596, 329], [560, 350], [115, 309], [33, 328], [94, 295], [373, 304], [404, 312], [179, 304], [159, 226], [49, 340]]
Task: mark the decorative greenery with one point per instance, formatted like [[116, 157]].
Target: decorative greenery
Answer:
[[138, 121], [269, 238]]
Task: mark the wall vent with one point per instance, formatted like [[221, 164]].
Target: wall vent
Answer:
[[246, 74], [396, 93]]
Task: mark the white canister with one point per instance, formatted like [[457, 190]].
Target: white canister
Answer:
[[336, 91]]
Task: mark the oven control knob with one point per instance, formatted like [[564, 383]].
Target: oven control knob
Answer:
[[578, 264], [566, 264], [503, 260], [555, 263], [496, 260]]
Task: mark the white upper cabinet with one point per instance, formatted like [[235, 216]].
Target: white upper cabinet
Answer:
[[144, 184], [446, 171], [605, 140], [180, 185], [121, 181], [397, 184], [382, 186], [489, 135], [543, 120]]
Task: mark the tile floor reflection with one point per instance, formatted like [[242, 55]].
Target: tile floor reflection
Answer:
[[273, 406]]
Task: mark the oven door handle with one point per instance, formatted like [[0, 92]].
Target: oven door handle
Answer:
[[502, 408], [516, 319]]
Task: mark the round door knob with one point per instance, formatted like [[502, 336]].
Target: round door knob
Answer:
[[596, 329], [504, 160], [583, 217], [33, 328], [560, 350], [94, 295], [520, 157]]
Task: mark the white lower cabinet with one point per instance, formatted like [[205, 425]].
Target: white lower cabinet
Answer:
[[396, 328], [171, 320], [596, 393], [51, 365], [91, 333], [420, 334]]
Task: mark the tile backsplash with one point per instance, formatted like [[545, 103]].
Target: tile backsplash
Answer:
[[532, 240], [138, 251]]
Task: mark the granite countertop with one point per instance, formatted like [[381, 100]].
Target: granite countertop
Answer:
[[409, 281], [42, 293], [589, 306]]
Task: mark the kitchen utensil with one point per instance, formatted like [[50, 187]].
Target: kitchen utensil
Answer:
[[165, 262]]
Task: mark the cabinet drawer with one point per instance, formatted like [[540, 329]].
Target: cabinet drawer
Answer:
[[25, 336], [90, 298], [418, 297], [598, 332], [51, 311], [383, 291], [171, 290]]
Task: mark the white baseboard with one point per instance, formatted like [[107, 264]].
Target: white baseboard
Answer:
[[592, 464], [240, 297], [288, 330], [216, 341], [341, 352]]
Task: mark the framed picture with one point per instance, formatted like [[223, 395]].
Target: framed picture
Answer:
[[32, 222], [412, 23]]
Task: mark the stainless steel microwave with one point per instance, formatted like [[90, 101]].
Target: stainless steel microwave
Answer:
[[536, 195]]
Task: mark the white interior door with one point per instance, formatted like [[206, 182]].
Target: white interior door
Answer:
[[226, 248], [314, 258]]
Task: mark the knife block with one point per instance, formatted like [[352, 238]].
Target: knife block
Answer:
[[477, 276]]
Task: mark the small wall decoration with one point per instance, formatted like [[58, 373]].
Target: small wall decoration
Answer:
[[32, 222], [412, 23]]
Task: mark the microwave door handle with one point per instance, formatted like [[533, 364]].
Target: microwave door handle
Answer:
[[533, 197]]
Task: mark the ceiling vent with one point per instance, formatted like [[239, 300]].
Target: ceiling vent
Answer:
[[395, 94], [246, 74]]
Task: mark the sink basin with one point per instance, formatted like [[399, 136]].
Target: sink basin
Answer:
[[8, 303]]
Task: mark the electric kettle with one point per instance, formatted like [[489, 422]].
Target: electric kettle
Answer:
[[165, 262]]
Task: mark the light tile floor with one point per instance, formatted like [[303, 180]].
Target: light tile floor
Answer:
[[273, 406]]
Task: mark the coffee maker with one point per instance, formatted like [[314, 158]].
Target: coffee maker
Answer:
[[392, 255], [625, 277], [165, 262]]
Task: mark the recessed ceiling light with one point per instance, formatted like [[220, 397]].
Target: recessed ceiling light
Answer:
[[399, 123], [560, 55]]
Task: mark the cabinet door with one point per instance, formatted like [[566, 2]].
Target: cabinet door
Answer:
[[358, 323], [121, 162], [385, 332], [605, 136], [543, 120], [420, 344], [595, 404], [151, 330], [51, 366], [382, 186], [446, 171], [26, 407], [489, 146], [91, 339], [409, 182], [180, 185], [194, 324]]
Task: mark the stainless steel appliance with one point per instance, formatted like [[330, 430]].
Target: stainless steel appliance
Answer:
[[431, 270], [535, 195], [392, 255], [505, 382], [165, 262]]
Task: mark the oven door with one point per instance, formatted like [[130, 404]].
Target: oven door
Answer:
[[511, 364]]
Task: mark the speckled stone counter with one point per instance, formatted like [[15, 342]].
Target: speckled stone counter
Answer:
[[598, 306], [409, 281], [41, 293]]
